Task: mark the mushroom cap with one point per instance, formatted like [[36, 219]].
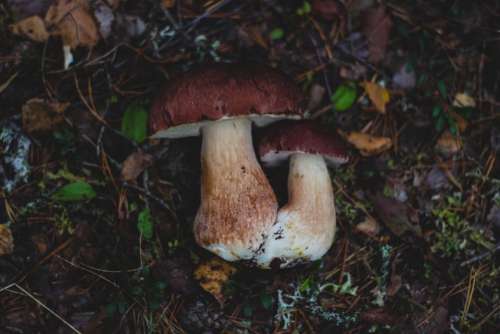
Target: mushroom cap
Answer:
[[219, 91], [286, 138]]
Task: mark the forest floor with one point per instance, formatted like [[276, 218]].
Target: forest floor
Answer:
[[96, 217]]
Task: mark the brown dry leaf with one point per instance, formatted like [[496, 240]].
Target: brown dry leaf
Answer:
[[329, 10], [448, 144], [368, 145], [397, 216], [461, 122], [73, 21], [135, 164], [377, 27], [40, 115], [378, 95], [168, 3], [6, 240], [369, 227], [32, 27], [213, 275]]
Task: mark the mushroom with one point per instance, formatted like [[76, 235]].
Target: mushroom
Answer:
[[220, 102], [305, 226]]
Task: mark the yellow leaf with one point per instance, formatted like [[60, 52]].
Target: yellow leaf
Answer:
[[6, 240], [378, 95], [463, 100], [368, 145], [32, 27], [213, 275]]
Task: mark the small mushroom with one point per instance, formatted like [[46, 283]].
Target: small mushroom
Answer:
[[220, 102], [305, 226]]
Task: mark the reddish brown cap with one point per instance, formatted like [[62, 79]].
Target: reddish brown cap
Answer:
[[215, 91], [285, 138]]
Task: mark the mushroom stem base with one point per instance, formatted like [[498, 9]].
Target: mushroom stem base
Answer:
[[238, 206], [305, 226]]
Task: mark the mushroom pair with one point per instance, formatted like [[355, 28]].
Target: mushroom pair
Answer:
[[238, 218]]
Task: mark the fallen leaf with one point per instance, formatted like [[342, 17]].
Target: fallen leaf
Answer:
[[213, 275], [41, 116], [377, 27], [32, 27], [462, 100], [168, 3], [378, 316], [378, 95], [73, 21], [448, 144], [397, 216], [135, 164], [6, 240], [74, 192], [459, 120], [369, 227], [368, 145]]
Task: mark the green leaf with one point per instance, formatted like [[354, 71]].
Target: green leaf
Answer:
[[75, 191], [442, 89], [277, 33], [135, 122], [266, 300], [344, 97], [436, 111], [145, 224]]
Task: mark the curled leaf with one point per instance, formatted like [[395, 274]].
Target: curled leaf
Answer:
[[135, 164], [213, 275], [368, 145], [378, 95], [32, 27]]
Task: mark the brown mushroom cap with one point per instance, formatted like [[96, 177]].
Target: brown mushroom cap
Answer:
[[217, 91], [285, 138]]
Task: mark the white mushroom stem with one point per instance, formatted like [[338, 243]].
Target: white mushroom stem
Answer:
[[305, 226], [238, 206]]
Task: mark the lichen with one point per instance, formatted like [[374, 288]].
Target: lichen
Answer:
[[14, 167]]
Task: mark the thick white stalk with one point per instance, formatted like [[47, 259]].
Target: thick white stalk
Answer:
[[238, 206], [305, 226]]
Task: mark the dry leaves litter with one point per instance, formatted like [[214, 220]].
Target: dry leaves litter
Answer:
[[213, 275], [448, 144], [41, 116], [6, 240], [73, 21], [367, 145], [369, 227], [377, 27], [135, 164], [378, 95]]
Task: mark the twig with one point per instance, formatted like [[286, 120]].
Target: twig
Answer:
[[27, 293], [481, 256]]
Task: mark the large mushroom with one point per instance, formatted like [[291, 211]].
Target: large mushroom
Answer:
[[221, 101], [305, 226]]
